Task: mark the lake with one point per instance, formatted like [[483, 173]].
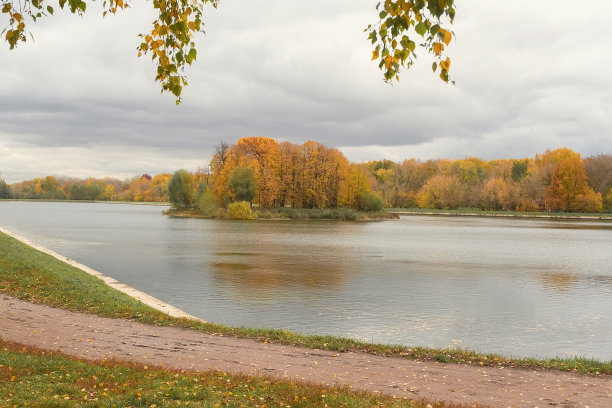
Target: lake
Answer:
[[520, 287]]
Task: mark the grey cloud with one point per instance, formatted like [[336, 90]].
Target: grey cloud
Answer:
[[527, 81]]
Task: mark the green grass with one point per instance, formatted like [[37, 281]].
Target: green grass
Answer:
[[478, 211], [38, 378], [343, 213], [340, 214], [29, 274]]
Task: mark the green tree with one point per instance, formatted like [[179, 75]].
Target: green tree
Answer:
[[180, 189], [519, 169], [5, 190], [371, 201], [608, 201], [242, 184], [171, 44]]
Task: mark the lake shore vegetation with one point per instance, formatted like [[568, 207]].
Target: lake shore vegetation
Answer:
[[31, 275], [275, 176], [54, 379], [500, 213]]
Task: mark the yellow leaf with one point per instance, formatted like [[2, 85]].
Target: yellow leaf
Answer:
[[375, 54], [9, 35], [191, 25], [445, 65], [447, 36], [388, 62], [438, 48], [17, 17], [394, 44]]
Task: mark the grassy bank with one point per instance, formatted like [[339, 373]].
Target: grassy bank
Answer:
[[510, 214], [29, 274], [38, 378], [287, 213]]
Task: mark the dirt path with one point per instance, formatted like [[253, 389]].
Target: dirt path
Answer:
[[96, 338]]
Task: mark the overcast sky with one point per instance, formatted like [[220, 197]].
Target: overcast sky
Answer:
[[531, 76]]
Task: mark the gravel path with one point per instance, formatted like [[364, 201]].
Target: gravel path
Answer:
[[96, 338]]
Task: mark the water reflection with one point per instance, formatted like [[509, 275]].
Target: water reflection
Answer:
[[561, 281], [276, 271]]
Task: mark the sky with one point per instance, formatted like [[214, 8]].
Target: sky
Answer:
[[530, 76]]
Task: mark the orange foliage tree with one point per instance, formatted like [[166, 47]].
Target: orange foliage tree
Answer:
[[304, 176], [569, 190]]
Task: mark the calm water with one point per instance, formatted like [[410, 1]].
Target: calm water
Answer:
[[519, 287]]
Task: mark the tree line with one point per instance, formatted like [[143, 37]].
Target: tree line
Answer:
[[557, 180], [271, 174], [142, 188]]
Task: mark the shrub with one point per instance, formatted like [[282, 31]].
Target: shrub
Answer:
[[527, 205], [240, 210], [589, 203], [371, 202], [208, 204]]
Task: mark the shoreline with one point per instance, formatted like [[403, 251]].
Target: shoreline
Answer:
[[111, 282], [508, 215], [362, 216], [43, 200]]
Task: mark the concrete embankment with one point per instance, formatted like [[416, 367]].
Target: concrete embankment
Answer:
[[113, 283]]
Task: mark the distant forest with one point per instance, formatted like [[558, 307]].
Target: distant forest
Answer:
[[270, 174]]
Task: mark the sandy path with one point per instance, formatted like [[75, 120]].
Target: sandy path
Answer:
[[97, 338]]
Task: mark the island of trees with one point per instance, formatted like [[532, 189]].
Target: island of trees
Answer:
[[261, 173]]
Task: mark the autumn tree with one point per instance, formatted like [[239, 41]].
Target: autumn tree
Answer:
[[46, 187], [498, 194], [180, 189], [599, 172], [157, 190], [262, 154], [109, 192], [137, 189], [442, 192], [403, 25], [356, 187], [569, 190]]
